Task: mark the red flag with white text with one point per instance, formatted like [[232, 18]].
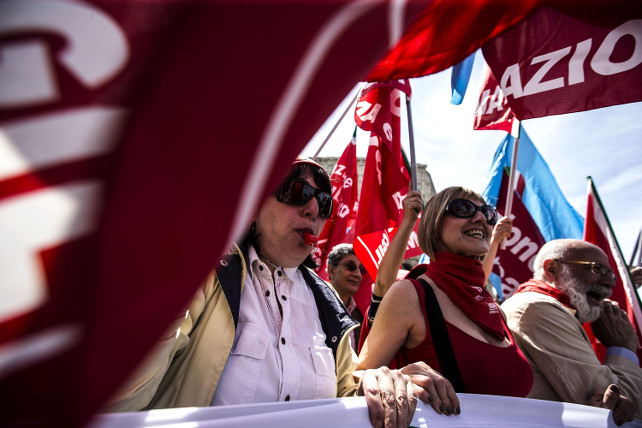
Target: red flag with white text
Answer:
[[514, 264], [553, 63], [597, 230], [123, 174], [385, 178], [345, 196], [492, 110]]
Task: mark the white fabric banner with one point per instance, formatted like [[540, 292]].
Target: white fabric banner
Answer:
[[476, 411]]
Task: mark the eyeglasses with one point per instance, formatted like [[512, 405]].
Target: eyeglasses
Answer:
[[463, 208], [595, 268], [298, 192], [352, 266]]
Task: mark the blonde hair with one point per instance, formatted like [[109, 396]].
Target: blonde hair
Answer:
[[432, 217]]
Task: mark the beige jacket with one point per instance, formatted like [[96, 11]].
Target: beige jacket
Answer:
[[186, 365], [564, 364]]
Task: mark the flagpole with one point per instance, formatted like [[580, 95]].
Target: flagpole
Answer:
[[336, 125], [411, 136], [515, 131], [636, 247]]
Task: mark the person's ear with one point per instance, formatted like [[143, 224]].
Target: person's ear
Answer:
[[330, 271], [551, 269]]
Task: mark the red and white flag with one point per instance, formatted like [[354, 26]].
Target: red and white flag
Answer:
[[135, 145], [598, 231], [492, 110], [338, 229], [514, 264], [385, 179], [553, 63]]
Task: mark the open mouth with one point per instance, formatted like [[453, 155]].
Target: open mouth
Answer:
[[595, 298], [475, 233]]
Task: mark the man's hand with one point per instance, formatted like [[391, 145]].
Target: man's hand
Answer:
[[612, 398], [636, 274], [390, 395], [434, 389], [613, 327]]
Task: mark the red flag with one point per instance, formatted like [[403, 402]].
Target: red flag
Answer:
[[385, 177], [124, 174], [597, 230], [514, 265], [448, 31], [492, 110], [344, 194], [552, 63]]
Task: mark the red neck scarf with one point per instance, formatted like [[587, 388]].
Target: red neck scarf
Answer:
[[544, 288], [462, 279]]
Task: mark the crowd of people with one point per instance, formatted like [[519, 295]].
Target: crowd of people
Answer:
[[263, 327]]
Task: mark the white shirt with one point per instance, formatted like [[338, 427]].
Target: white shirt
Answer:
[[274, 357]]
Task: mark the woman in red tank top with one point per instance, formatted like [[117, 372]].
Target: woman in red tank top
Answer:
[[473, 344]]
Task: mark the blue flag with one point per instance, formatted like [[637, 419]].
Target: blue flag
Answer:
[[460, 77], [541, 195]]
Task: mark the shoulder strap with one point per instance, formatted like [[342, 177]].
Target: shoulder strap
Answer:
[[441, 339]]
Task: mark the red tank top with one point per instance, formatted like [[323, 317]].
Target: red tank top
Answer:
[[484, 368]]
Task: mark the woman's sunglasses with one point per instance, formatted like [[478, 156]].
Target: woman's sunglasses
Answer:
[[463, 208], [298, 192]]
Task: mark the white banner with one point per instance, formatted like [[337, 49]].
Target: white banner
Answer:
[[476, 411]]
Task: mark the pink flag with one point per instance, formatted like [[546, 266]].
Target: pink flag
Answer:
[[552, 63], [344, 194], [492, 110], [136, 144], [597, 230]]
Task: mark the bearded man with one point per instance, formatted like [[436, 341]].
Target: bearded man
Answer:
[[571, 284]]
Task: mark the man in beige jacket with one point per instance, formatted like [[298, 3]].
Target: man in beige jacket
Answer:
[[571, 284]]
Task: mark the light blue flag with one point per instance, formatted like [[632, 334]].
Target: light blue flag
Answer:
[[460, 77], [552, 213]]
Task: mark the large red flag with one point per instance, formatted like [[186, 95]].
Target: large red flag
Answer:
[[135, 144], [345, 196], [597, 230], [552, 63], [492, 110], [447, 31], [385, 177]]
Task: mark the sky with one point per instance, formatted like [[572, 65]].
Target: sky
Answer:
[[605, 144]]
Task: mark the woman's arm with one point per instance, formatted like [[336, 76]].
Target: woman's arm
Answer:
[[396, 318], [391, 262]]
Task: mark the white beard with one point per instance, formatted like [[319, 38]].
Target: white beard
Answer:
[[571, 287]]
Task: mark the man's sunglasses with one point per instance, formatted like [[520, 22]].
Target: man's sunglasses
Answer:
[[298, 192], [594, 267], [463, 208], [351, 267]]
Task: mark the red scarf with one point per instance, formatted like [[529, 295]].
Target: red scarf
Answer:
[[462, 279], [543, 288]]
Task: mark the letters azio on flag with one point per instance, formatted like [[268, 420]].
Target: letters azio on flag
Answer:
[[338, 229], [134, 147], [492, 110], [514, 265], [552, 63]]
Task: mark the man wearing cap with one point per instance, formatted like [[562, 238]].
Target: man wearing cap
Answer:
[[571, 284], [264, 328]]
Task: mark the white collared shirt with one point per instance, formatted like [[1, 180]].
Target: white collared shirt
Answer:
[[274, 357]]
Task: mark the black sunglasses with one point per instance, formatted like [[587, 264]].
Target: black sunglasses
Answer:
[[298, 192], [463, 208], [351, 267]]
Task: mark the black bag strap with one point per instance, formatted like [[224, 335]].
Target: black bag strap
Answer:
[[441, 339]]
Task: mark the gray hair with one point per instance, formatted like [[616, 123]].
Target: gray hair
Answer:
[[338, 252], [557, 249]]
